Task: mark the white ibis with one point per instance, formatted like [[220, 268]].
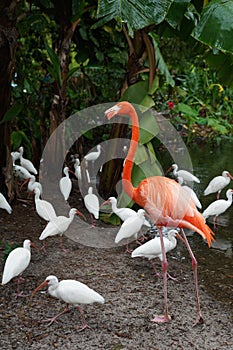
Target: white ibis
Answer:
[[123, 213], [219, 206], [59, 225], [190, 191], [32, 184], [77, 171], [43, 208], [131, 227], [186, 175], [65, 184], [15, 155], [71, 292], [218, 183], [16, 262], [4, 204], [92, 156], [152, 249], [21, 172], [91, 202], [26, 163]]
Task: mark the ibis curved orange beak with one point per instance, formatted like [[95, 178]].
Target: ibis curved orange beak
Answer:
[[45, 283], [81, 214]]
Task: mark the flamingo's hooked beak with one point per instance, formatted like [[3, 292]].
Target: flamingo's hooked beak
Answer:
[[81, 214], [111, 112], [45, 283]]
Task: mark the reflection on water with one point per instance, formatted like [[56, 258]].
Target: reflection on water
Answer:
[[216, 263]]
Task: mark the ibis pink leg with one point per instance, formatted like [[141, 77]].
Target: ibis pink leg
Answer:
[[84, 322], [51, 320], [199, 318]]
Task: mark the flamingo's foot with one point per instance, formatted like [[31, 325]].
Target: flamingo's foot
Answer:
[[199, 319], [84, 326], [161, 318]]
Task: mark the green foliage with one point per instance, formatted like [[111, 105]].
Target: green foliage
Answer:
[[8, 248]]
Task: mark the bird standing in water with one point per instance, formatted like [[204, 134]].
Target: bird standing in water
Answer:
[[218, 207], [166, 202], [218, 183]]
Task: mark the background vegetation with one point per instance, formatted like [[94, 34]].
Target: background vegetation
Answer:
[[59, 57]]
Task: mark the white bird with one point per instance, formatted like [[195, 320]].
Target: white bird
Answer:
[[190, 191], [218, 183], [186, 175], [16, 262], [77, 171], [43, 208], [4, 204], [26, 163], [91, 202], [152, 249], [32, 184], [131, 227], [59, 225], [65, 184], [92, 156], [219, 206], [71, 292], [21, 172], [15, 155], [123, 213]]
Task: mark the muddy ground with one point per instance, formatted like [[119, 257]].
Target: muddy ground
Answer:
[[132, 296]]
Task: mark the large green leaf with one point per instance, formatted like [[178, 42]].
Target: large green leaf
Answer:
[[12, 112], [148, 127], [138, 93], [160, 61], [55, 68], [136, 13], [223, 64], [176, 13], [215, 27]]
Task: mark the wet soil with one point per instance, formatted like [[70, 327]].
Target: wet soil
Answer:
[[133, 294]]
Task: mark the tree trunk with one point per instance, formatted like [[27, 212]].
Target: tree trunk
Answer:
[[8, 44]]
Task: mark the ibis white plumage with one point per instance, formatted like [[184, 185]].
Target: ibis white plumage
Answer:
[[43, 208], [4, 204], [218, 183], [16, 262], [190, 191], [65, 184], [123, 213], [21, 172], [91, 202], [219, 206], [26, 163], [152, 249], [92, 156], [131, 227], [59, 225], [186, 175], [71, 292]]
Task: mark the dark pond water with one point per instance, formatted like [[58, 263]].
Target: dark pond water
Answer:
[[216, 270]]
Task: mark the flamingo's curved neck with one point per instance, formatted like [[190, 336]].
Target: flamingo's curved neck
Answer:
[[127, 171]]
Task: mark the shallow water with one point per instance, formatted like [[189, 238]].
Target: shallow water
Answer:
[[216, 263]]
